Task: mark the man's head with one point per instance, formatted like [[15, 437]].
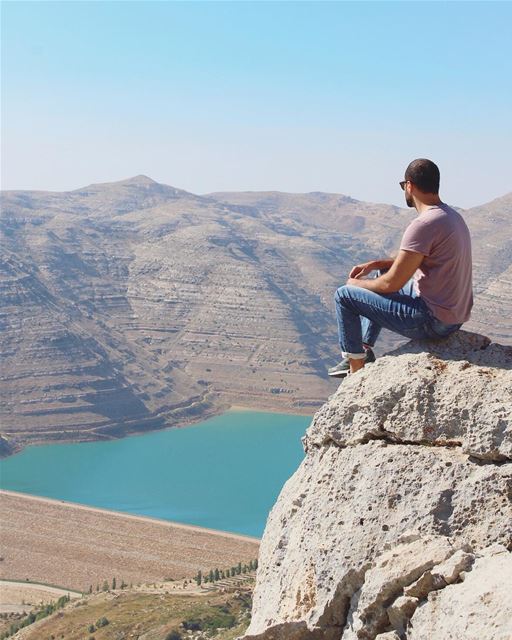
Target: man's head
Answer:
[[423, 176]]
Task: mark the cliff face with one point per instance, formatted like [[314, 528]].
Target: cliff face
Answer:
[[397, 524]]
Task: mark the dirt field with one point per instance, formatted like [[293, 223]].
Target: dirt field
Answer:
[[75, 547]]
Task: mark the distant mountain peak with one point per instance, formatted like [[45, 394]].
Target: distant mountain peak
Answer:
[[136, 186], [139, 179]]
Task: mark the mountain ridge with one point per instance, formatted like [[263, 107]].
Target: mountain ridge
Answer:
[[142, 179], [135, 305]]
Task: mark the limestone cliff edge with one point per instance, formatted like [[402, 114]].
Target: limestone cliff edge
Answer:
[[397, 524]]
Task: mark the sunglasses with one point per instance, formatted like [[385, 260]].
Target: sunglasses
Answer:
[[402, 183]]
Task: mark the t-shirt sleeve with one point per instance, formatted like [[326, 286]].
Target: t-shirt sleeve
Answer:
[[418, 237]]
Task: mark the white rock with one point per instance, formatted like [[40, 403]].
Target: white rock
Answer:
[[344, 506], [442, 574], [386, 503], [384, 582], [477, 609], [425, 397]]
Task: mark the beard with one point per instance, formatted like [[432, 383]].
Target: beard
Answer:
[[409, 200]]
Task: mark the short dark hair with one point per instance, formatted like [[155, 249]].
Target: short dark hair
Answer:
[[424, 174]]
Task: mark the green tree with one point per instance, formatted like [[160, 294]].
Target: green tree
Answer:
[[199, 578], [105, 586], [217, 574], [113, 583]]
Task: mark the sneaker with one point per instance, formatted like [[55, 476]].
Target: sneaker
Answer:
[[342, 369]]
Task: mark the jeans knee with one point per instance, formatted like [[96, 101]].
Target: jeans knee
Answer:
[[340, 293], [343, 293]]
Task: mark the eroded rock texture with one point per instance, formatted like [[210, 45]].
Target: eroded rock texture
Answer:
[[402, 502]]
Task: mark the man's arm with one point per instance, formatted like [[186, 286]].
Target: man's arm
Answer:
[[400, 271]]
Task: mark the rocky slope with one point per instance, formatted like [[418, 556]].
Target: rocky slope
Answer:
[[134, 305], [398, 523], [379, 228]]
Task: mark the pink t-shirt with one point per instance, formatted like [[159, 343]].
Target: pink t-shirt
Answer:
[[444, 278]]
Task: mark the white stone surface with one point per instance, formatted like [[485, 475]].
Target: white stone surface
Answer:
[[479, 608], [453, 396], [384, 583], [442, 574], [388, 507]]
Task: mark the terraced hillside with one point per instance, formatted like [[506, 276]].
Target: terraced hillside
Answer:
[[133, 305], [490, 226]]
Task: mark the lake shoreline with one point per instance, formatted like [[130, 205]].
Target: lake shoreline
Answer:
[[91, 436], [132, 516], [64, 543], [208, 477]]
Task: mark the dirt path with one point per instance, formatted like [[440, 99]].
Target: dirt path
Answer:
[[20, 597]]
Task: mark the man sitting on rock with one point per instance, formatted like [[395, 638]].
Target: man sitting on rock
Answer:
[[425, 292]]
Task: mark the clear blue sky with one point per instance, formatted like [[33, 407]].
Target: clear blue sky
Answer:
[[293, 96]]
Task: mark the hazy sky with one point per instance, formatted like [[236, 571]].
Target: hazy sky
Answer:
[[292, 96]]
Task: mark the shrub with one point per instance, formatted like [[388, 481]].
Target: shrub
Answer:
[[102, 622], [192, 625], [210, 622]]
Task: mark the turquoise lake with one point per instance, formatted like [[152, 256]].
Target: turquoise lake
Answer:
[[224, 473]]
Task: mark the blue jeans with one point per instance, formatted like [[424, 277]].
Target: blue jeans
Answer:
[[361, 314]]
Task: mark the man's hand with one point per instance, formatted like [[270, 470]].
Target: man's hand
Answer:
[[361, 270], [364, 269]]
